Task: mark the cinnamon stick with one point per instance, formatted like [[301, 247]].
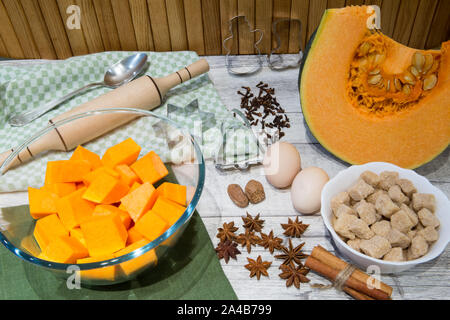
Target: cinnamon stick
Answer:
[[356, 294], [332, 273], [331, 260]]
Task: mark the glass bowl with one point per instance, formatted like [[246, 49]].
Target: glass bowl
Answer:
[[176, 147]]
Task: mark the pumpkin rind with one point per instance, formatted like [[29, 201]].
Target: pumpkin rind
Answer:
[[408, 138]]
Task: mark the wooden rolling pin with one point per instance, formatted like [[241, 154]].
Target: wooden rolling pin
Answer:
[[142, 93]]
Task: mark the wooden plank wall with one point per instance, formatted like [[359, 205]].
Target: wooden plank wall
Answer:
[[38, 28]]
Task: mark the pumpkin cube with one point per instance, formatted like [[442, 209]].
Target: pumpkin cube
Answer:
[[136, 264], [150, 168], [104, 234], [78, 234], [125, 152], [106, 273], [135, 186], [91, 176], [105, 209], [42, 202], [73, 209], [127, 175], [151, 225], [82, 153], [61, 189], [168, 210], [47, 228], [139, 201], [105, 189], [65, 249], [173, 191], [66, 171], [134, 235]]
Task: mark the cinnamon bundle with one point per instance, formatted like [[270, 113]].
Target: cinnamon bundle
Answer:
[[328, 265]]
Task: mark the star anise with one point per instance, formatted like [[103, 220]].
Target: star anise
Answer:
[[258, 267], [292, 254], [294, 275], [227, 249], [248, 239], [269, 241], [227, 232], [294, 228], [253, 224]]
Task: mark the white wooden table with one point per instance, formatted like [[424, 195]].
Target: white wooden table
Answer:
[[427, 281]]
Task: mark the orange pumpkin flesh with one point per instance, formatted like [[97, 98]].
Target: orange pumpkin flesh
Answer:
[[407, 129]]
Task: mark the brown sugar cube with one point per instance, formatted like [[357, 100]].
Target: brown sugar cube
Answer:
[[407, 187], [412, 233], [342, 225], [375, 247], [401, 221], [371, 178], [381, 228], [396, 255], [254, 191], [418, 248], [396, 194], [373, 197], [429, 233], [344, 209], [411, 214], [360, 190], [385, 206], [361, 229], [367, 212], [388, 179], [338, 199], [398, 239], [423, 200], [427, 218], [354, 244]]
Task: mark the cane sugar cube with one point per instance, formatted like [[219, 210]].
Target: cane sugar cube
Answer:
[[344, 209], [412, 233], [82, 153], [423, 200], [381, 228], [168, 210], [105, 209], [385, 206], [395, 255], [371, 178], [411, 214], [360, 190], [151, 225], [150, 168], [134, 235], [125, 152], [367, 212], [375, 247], [42, 202], [388, 179], [427, 218], [65, 249], [104, 234], [47, 228], [429, 233], [360, 229], [354, 244], [401, 221], [407, 187], [338, 199], [173, 191], [398, 239], [418, 248], [66, 171], [73, 209], [342, 225], [139, 201], [396, 194], [373, 197]]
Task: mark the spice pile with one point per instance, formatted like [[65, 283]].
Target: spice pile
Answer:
[[292, 268], [264, 109]]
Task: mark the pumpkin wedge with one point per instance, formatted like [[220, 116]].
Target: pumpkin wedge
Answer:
[[368, 98]]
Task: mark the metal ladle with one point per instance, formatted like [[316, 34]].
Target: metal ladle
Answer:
[[118, 74]]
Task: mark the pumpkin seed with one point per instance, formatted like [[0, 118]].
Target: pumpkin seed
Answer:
[[429, 82], [414, 71], [397, 84], [374, 71], [418, 60], [379, 58], [374, 80], [406, 89], [428, 62], [364, 48], [409, 78], [388, 85]]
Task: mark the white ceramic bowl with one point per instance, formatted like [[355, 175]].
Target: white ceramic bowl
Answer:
[[346, 178]]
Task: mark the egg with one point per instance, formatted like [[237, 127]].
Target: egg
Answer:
[[281, 163], [306, 189]]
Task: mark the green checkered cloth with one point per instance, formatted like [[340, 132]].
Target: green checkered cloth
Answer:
[[27, 86]]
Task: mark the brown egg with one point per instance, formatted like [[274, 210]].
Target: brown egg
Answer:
[[281, 163], [307, 188]]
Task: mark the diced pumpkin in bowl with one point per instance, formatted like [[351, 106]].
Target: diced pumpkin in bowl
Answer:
[[173, 191], [140, 200], [150, 168], [105, 189], [125, 152], [105, 209], [104, 234], [66, 171], [151, 225], [91, 176], [47, 228], [42, 202], [82, 153], [168, 210], [134, 235], [61, 189], [73, 209], [136, 264], [65, 249], [78, 234], [127, 175], [106, 273]]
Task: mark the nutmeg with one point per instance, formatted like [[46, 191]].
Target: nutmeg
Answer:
[[237, 195], [255, 191]]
